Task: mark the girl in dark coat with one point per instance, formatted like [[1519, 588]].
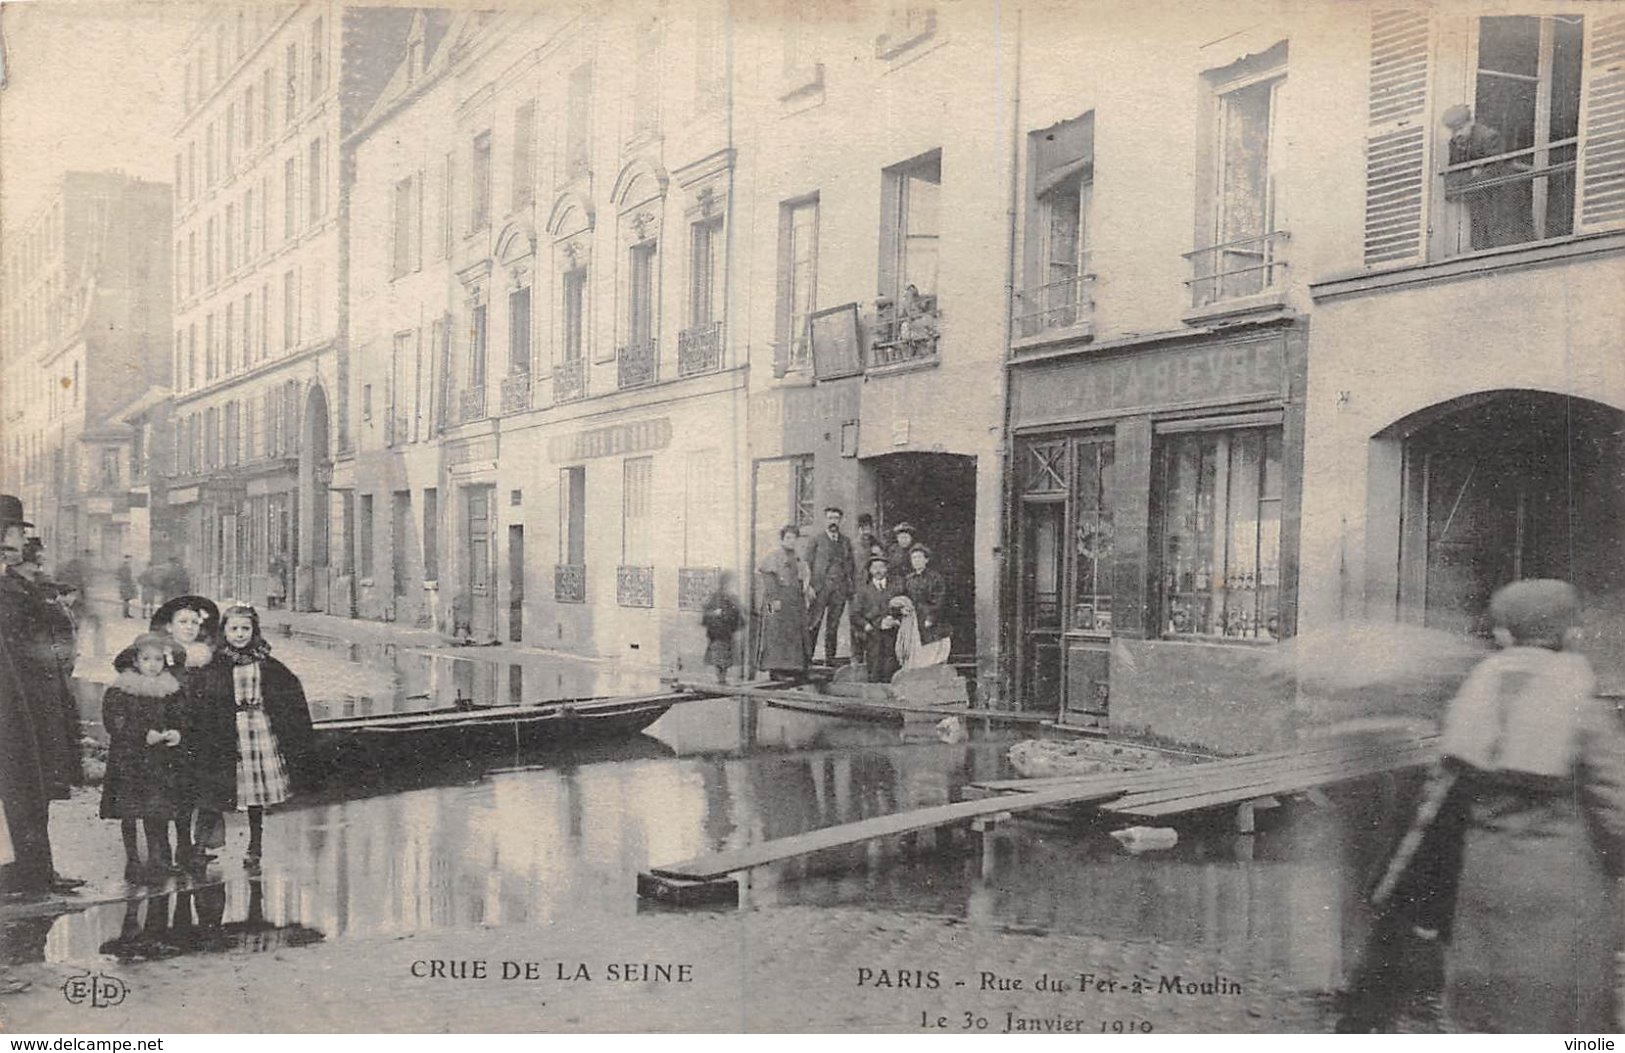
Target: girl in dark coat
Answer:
[[192, 622], [722, 619], [146, 770], [273, 721]]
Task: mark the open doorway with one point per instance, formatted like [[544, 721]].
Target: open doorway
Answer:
[[1508, 485], [936, 493]]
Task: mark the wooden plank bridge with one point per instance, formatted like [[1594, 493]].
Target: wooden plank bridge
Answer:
[[1243, 783]]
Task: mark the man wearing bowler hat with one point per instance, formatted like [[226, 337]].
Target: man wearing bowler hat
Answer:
[[874, 627], [38, 757]]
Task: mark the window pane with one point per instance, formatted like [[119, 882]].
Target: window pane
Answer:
[[1222, 534], [1092, 521], [921, 199]]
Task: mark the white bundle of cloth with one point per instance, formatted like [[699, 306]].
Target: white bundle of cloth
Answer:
[[911, 653]]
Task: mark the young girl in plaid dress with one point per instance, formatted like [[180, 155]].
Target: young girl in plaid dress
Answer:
[[273, 722]]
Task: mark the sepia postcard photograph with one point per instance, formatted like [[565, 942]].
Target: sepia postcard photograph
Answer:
[[924, 517]]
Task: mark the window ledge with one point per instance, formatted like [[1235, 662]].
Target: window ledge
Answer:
[[1219, 641], [1264, 306], [1573, 248], [1081, 332], [803, 81], [888, 47], [910, 366]]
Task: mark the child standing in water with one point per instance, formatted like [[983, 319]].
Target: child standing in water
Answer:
[[145, 719], [273, 721]]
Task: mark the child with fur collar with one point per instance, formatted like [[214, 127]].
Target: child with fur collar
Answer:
[[144, 715]]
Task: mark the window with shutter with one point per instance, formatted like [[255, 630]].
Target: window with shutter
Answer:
[[1602, 160], [1396, 139]]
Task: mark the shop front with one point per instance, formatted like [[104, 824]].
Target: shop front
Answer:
[[1154, 497]]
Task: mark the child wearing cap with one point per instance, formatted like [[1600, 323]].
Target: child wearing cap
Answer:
[[146, 724], [1539, 767]]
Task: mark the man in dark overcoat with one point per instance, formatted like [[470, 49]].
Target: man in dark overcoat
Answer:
[[873, 622], [38, 758], [829, 560]]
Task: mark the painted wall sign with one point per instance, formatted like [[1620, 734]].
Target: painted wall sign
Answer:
[[615, 440], [1053, 393]]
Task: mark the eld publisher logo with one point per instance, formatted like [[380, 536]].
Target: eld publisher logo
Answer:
[[97, 990]]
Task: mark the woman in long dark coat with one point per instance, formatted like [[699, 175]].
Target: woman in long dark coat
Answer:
[[927, 590], [783, 594]]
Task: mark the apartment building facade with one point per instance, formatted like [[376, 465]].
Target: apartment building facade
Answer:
[[1469, 406], [86, 285], [876, 281], [259, 242], [552, 408]]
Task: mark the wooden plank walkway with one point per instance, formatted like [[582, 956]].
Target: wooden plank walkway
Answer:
[[1200, 786]]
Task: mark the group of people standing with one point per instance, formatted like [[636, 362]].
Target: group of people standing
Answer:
[[894, 601], [201, 720]]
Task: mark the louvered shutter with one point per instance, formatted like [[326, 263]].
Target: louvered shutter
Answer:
[[1602, 157], [1396, 179]]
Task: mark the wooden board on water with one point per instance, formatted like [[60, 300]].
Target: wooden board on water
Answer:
[[1200, 782]]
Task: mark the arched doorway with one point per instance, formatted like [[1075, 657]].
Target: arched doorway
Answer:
[[312, 591], [1504, 485]]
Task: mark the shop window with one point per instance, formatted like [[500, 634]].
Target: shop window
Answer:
[[1092, 529], [1510, 176], [1220, 499]]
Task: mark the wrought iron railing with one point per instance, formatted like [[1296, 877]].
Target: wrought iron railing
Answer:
[[637, 364], [904, 331], [1054, 305], [695, 585], [515, 393], [1233, 269], [699, 349], [570, 380], [635, 586], [570, 582], [471, 404]]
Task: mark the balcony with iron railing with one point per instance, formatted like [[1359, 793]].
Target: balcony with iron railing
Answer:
[[471, 404], [635, 586], [1510, 198], [637, 364], [1238, 270], [699, 349], [516, 393], [1055, 307], [570, 582], [905, 331], [570, 380]]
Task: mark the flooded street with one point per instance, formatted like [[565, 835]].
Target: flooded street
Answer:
[[532, 856]]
